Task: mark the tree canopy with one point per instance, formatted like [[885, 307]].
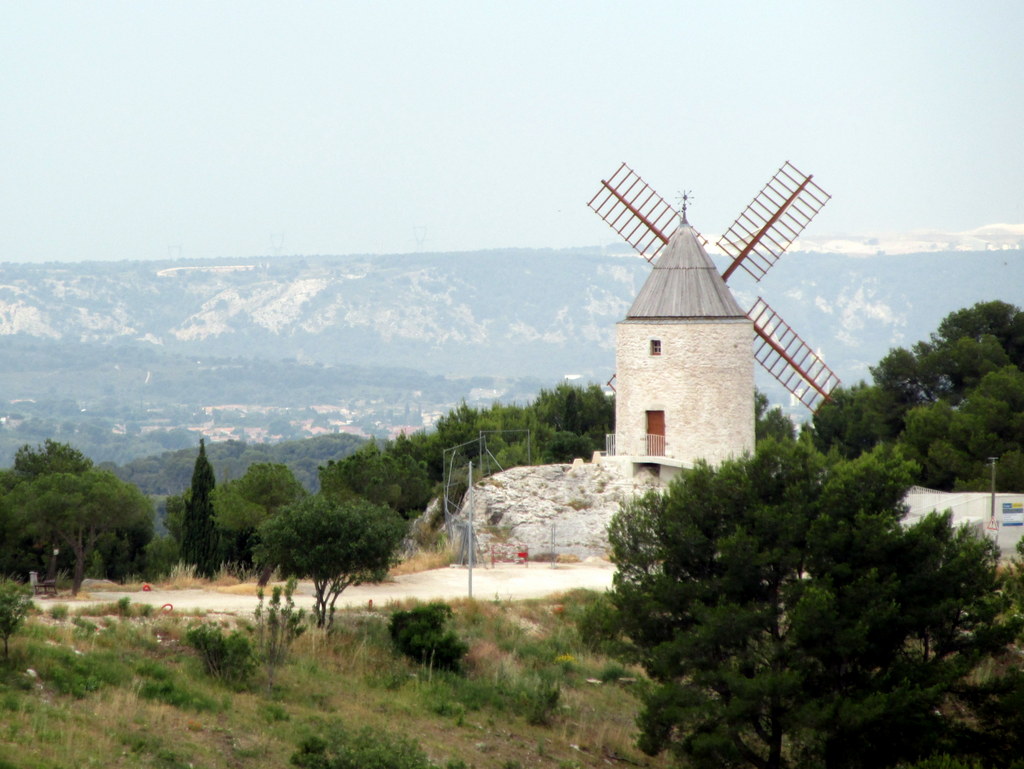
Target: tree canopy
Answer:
[[334, 544], [200, 544], [75, 509], [951, 402], [788, 619], [240, 506], [394, 478], [50, 457]]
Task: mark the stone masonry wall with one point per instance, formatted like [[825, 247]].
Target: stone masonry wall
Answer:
[[703, 380]]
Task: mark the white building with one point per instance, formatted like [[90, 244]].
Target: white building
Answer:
[[974, 509], [684, 366]]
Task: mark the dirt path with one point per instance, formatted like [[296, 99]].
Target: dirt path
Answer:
[[503, 582]]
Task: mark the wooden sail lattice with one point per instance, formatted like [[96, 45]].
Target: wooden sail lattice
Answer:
[[772, 221], [789, 358], [639, 214]]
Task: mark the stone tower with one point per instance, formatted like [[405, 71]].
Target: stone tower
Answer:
[[684, 365]]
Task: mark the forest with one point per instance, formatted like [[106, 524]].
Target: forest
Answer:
[[953, 403]]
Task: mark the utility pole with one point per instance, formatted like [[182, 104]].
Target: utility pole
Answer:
[[992, 515], [472, 544], [553, 556]]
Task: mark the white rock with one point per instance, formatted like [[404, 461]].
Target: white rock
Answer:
[[525, 505]]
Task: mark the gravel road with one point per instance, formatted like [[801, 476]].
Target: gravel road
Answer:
[[502, 582]]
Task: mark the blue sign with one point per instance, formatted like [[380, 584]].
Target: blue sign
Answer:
[[1013, 513]]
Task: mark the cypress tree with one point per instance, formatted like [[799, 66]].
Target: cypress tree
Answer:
[[199, 541]]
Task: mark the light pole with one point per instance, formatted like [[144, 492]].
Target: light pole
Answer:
[[992, 518], [51, 573], [472, 544]]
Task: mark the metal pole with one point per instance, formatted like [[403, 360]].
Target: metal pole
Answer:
[[992, 461], [472, 544]]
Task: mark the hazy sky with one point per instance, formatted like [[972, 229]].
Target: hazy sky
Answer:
[[138, 130]]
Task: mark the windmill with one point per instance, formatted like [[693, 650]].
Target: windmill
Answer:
[[755, 241]]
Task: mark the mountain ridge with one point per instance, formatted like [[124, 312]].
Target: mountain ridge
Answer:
[[541, 312]]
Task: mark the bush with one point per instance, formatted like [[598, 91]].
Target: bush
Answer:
[[15, 601], [170, 692], [228, 657], [566, 446], [420, 633], [539, 702], [78, 675], [612, 672], [278, 625], [600, 627], [365, 749]]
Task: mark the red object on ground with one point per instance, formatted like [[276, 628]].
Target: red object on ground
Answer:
[[146, 588]]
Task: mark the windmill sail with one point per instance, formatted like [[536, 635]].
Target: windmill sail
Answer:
[[772, 221], [789, 359], [635, 211]]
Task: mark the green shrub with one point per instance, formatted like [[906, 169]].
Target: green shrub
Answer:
[[161, 685], [539, 702], [278, 625], [153, 669], [69, 672], [366, 749], [272, 712], [612, 672], [172, 693], [600, 627], [84, 625], [421, 634], [228, 657], [15, 602], [59, 611]]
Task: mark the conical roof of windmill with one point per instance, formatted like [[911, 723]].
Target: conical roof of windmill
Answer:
[[684, 284]]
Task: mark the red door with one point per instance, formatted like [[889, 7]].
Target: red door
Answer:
[[655, 433]]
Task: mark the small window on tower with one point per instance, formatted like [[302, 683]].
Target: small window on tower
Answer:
[[655, 347]]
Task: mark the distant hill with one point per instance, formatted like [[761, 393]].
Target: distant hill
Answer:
[[295, 329]]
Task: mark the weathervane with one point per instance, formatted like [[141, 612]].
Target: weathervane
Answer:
[[684, 198]]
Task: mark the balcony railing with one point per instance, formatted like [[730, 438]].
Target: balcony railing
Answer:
[[655, 446], [650, 446]]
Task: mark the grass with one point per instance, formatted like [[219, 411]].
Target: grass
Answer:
[[424, 560], [114, 688], [237, 581]]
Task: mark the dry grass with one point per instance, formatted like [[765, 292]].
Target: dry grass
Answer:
[[425, 560], [244, 588], [349, 675], [183, 576]]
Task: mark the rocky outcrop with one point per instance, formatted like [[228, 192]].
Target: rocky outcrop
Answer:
[[552, 509]]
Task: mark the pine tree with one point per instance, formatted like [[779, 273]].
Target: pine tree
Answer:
[[200, 544]]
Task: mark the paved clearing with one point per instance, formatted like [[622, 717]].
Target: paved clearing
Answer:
[[502, 582]]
